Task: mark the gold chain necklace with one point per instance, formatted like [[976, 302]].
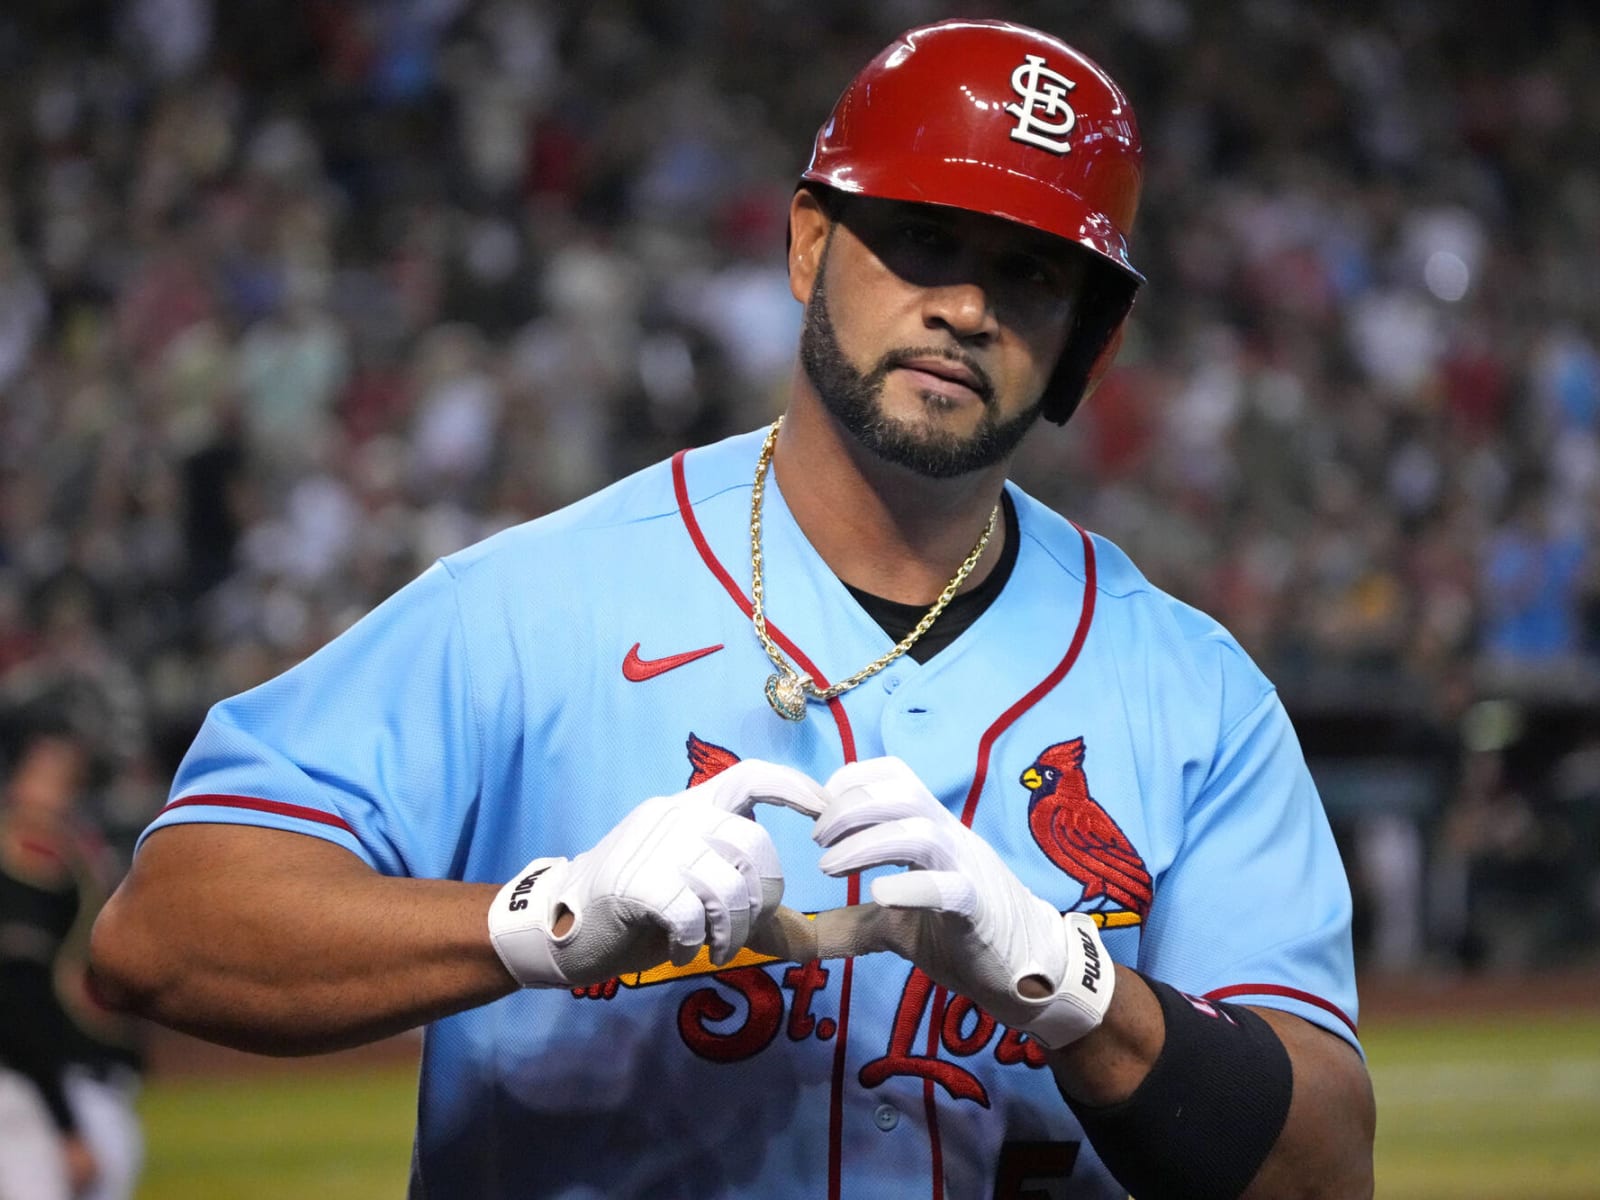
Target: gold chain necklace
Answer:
[[788, 690]]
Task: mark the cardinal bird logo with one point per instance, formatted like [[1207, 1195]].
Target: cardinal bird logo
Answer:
[[707, 760], [1080, 837]]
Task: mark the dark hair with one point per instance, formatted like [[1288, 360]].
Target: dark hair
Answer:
[[48, 719]]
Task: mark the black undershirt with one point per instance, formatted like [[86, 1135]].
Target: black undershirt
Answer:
[[897, 620]]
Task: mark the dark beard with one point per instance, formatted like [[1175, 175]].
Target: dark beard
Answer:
[[853, 399]]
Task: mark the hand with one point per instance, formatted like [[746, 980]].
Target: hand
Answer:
[[960, 913], [676, 873]]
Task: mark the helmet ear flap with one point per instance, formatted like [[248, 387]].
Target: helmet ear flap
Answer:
[[1102, 364], [1092, 344]]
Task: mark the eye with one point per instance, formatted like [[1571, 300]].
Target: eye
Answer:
[[925, 235], [1034, 270]]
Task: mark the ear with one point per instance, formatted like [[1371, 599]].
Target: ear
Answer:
[[808, 234]]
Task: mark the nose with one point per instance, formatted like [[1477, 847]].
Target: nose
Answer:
[[961, 308]]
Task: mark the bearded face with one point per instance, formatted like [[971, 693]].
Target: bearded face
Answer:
[[923, 445]]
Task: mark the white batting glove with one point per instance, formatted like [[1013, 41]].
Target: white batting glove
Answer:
[[676, 873], [960, 913]]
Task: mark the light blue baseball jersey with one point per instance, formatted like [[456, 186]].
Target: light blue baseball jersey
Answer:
[[1115, 746]]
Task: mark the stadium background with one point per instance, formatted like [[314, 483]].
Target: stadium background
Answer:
[[296, 295]]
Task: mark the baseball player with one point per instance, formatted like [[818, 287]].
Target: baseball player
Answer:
[[889, 833]]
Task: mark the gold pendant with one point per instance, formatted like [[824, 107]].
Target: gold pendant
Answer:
[[787, 696]]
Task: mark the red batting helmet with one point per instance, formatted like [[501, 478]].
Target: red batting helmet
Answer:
[[1001, 119]]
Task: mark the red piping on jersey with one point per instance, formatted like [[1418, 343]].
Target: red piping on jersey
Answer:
[[680, 487], [847, 739], [930, 1100], [266, 806], [1043, 687], [970, 810], [1277, 989]]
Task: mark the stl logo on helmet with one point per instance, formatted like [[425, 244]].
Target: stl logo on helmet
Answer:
[[1044, 118]]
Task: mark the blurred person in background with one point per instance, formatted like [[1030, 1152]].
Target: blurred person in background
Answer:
[[69, 1070]]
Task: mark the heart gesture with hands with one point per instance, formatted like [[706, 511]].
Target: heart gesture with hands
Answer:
[[695, 870]]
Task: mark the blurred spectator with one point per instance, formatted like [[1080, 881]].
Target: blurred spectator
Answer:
[[1511, 855], [67, 1071], [23, 312], [1531, 578]]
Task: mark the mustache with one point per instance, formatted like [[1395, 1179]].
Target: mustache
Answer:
[[895, 359]]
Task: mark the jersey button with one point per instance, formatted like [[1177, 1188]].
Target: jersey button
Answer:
[[886, 1117], [890, 682]]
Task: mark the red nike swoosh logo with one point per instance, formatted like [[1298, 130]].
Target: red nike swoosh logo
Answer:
[[639, 669]]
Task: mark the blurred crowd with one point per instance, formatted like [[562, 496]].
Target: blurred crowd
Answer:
[[297, 295]]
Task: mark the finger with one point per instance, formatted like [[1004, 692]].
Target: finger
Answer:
[[931, 891], [743, 842], [858, 809], [725, 904], [908, 842], [752, 781], [747, 847], [683, 918], [763, 887], [887, 772], [870, 793]]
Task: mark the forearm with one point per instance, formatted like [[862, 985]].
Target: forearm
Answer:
[[1109, 1064], [283, 944], [1324, 1148]]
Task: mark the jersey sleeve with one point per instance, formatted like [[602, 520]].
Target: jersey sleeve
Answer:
[[1255, 908], [372, 742]]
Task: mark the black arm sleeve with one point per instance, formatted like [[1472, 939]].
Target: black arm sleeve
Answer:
[[1210, 1110]]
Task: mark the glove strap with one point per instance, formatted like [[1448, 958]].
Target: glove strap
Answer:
[[1080, 1003], [519, 927]]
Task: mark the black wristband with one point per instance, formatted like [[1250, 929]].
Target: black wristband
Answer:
[[1208, 1113]]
